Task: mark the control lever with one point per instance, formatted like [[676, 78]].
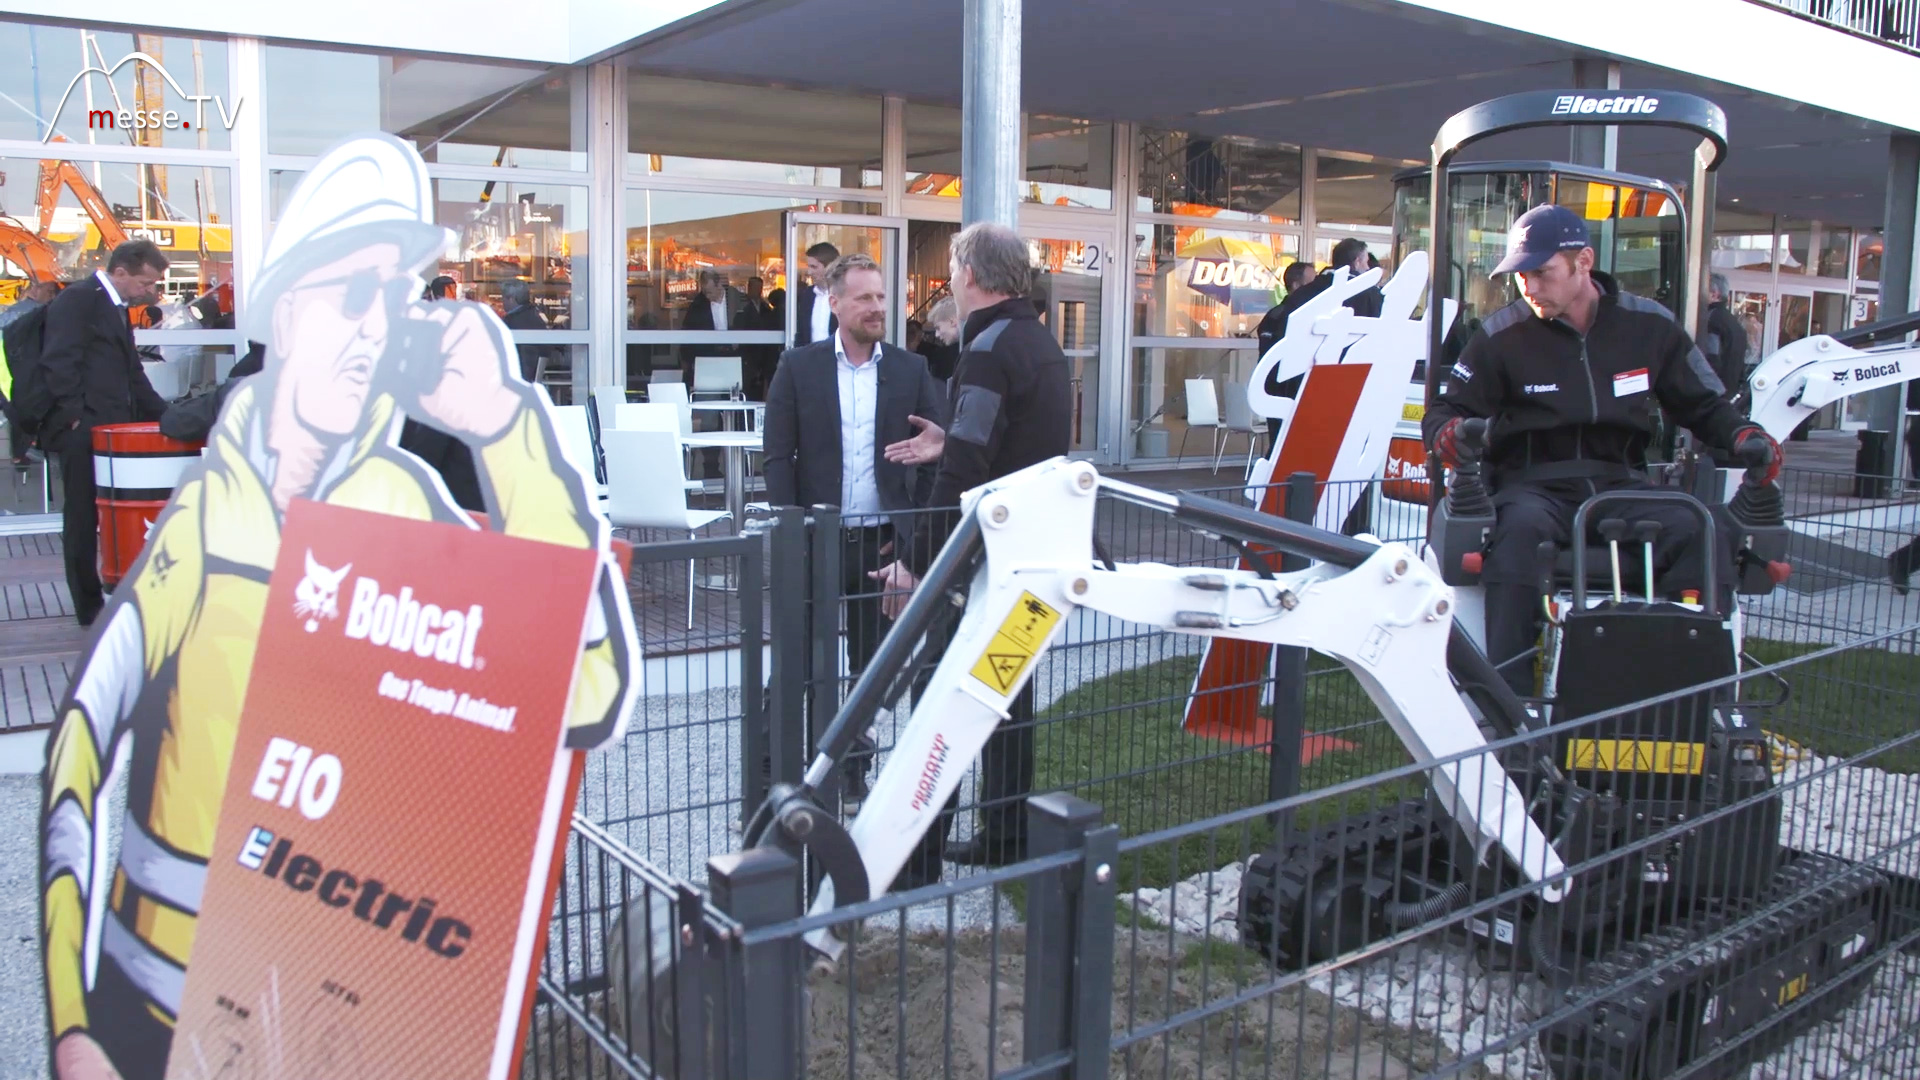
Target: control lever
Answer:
[[1613, 530], [1646, 532], [1546, 555]]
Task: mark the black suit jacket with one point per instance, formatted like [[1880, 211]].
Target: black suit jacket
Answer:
[[802, 433], [92, 369], [528, 317], [803, 318]]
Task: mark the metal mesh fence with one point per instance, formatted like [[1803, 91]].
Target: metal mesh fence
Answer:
[[938, 981]]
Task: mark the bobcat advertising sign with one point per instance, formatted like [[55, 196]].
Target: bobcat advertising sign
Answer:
[[303, 796], [348, 916]]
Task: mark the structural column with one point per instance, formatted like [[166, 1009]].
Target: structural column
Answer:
[[1589, 145], [990, 113], [1896, 282]]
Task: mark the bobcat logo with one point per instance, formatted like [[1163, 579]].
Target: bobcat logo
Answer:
[[316, 595]]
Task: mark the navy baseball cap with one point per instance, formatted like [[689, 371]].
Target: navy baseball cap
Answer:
[[1539, 235]]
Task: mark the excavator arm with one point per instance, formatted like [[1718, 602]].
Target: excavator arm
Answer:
[[1800, 378], [1023, 556], [28, 252], [56, 172]]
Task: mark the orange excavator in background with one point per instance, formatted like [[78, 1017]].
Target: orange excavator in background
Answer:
[[32, 251]]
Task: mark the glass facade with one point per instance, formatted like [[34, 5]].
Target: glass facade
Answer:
[[660, 219]]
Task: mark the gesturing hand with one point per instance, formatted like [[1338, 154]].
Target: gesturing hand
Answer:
[[896, 586], [923, 448]]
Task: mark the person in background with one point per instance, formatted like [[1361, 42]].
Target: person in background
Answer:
[[1724, 342], [37, 295], [95, 377], [441, 288], [1012, 407], [941, 345], [516, 297], [1350, 253], [758, 361], [832, 409], [815, 321]]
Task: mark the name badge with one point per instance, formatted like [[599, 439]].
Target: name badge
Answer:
[[1628, 383]]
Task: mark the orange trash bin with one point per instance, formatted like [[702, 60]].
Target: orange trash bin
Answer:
[[135, 469]]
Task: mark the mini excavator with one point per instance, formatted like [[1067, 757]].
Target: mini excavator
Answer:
[[1618, 837]]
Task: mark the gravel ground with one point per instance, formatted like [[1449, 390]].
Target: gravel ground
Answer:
[[23, 1018]]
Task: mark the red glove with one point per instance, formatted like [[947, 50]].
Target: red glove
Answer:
[[1760, 452], [1460, 439]]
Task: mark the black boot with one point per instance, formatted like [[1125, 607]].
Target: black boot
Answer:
[[985, 850]]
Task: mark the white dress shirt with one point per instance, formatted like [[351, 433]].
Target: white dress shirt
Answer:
[[719, 314], [859, 401], [822, 313], [107, 284]]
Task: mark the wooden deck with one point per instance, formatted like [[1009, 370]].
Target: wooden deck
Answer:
[[39, 639]]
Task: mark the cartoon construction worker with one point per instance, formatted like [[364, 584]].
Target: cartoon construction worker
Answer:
[[158, 696]]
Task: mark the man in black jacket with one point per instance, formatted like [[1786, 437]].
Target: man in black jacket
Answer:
[[1725, 341], [1012, 407], [1350, 253], [832, 409], [1562, 378], [516, 300], [95, 378]]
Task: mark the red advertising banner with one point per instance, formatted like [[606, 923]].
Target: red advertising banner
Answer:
[[374, 896]]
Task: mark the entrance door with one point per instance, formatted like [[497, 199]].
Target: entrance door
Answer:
[[1068, 283], [879, 238]]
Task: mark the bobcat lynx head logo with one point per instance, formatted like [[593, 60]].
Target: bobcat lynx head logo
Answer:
[[317, 595]]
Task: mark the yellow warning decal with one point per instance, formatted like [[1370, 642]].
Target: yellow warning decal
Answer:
[[1013, 646], [1794, 988], [1637, 755], [1411, 411]]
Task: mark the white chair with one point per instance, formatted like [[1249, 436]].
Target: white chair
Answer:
[[674, 393], [1240, 421], [717, 376], [576, 441], [664, 375], [605, 400], [1203, 411], [637, 498], [649, 416]]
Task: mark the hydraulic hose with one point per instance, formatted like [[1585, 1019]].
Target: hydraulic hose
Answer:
[[1401, 915]]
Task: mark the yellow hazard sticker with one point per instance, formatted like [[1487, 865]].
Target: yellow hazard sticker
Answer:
[[1013, 646], [1637, 755], [1410, 411], [1794, 988]]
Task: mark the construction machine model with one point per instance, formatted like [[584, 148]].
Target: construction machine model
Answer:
[[1596, 838]]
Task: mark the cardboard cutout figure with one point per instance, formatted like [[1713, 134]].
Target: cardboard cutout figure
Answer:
[[307, 449], [1356, 372]]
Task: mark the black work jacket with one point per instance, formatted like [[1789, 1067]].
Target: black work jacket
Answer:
[[1556, 396]]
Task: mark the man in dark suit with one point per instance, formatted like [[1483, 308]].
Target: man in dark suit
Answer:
[[810, 323], [833, 408], [95, 378], [718, 306], [516, 297]]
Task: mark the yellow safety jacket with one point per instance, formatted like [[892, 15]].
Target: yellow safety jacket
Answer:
[[166, 680]]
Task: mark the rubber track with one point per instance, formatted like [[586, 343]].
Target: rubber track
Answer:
[[1602, 1041], [1272, 889]]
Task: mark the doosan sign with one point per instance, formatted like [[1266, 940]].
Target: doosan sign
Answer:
[[146, 119], [1218, 278]]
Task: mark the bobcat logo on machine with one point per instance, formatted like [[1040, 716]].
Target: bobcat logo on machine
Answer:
[[318, 594]]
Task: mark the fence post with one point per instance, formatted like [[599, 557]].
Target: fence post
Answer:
[[754, 703], [1289, 680], [1056, 822], [777, 744], [823, 628], [761, 887]]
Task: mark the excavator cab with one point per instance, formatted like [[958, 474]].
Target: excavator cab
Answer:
[[1639, 226]]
